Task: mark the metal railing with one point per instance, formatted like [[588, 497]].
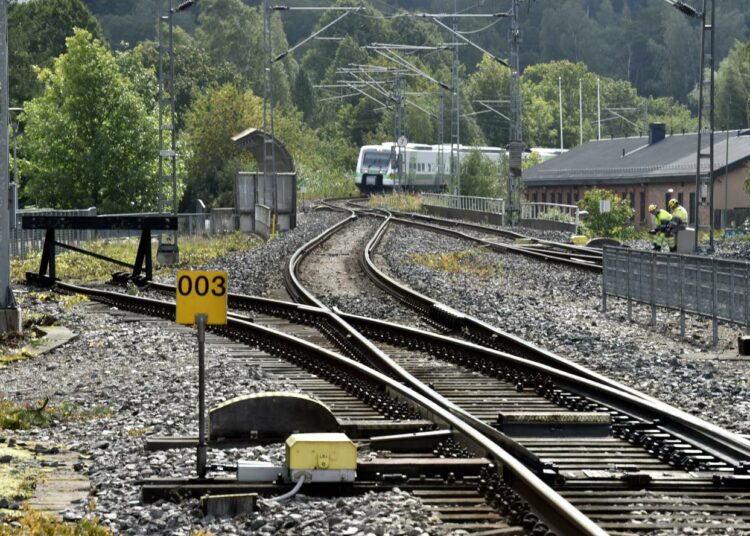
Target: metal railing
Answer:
[[551, 212], [706, 286], [464, 202]]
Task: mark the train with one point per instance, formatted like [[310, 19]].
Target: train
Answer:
[[426, 167]]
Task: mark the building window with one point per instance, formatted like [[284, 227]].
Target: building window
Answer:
[[569, 198], [631, 198], [544, 197], [667, 197], [643, 206], [691, 214], [575, 197], [681, 199], [559, 198], [533, 198]]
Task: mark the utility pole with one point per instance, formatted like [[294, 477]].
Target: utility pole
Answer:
[[704, 178], [598, 111], [559, 93], [455, 114], [167, 252], [580, 112], [441, 137], [515, 169], [269, 152], [10, 313]]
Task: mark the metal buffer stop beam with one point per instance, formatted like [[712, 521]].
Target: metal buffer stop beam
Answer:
[[143, 261]]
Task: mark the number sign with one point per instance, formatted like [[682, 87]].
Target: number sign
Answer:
[[201, 293]]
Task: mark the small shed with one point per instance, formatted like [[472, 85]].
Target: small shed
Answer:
[[260, 199]]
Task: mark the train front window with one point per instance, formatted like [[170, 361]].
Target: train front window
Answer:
[[376, 160]]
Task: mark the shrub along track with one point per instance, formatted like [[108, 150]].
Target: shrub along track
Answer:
[[658, 470]]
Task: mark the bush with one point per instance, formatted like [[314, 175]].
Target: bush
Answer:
[[618, 223]]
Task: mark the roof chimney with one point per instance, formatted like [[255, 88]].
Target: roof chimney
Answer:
[[656, 132]]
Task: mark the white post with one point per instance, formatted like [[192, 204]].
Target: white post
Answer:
[[598, 111], [580, 110], [559, 91]]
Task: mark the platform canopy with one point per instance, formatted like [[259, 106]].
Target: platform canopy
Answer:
[[252, 140]]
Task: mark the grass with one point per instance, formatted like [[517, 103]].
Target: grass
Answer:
[[40, 414], [17, 479], [397, 201], [77, 267], [32, 523], [471, 262]]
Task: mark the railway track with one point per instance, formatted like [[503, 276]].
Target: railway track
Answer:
[[447, 471], [629, 463], [658, 461], [501, 240]]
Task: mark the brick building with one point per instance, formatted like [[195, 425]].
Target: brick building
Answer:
[[648, 170]]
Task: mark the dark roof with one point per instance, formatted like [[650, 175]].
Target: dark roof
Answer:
[[252, 140], [671, 159]]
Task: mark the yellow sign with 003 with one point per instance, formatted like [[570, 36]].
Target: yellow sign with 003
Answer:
[[201, 293]]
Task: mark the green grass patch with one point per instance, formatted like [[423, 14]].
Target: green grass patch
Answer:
[[472, 262], [194, 251], [403, 202], [40, 414], [18, 478], [31, 523]]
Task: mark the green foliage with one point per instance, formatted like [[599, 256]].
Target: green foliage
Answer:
[[480, 176], [614, 224], [490, 82], [473, 262], [397, 201], [33, 523], [40, 414], [531, 160], [733, 88], [303, 96], [89, 138], [213, 160], [37, 31]]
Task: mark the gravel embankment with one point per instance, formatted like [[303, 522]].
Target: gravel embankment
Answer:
[[145, 377], [558, 309]]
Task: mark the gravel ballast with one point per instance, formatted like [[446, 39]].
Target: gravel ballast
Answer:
[[558, 308], [141, 377]]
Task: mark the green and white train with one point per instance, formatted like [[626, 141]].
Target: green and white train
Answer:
[[426, 167]]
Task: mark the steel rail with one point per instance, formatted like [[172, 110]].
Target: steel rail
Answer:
[[555, 510], [725, 444], [586, 262], [550, 510], [583, 250]]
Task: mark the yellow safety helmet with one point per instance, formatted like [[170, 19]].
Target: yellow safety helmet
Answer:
[[652, 208], [672, 204]]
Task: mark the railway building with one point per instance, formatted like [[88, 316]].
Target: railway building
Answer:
[[648, 169]]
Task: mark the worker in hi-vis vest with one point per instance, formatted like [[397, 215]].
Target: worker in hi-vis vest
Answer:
[[679, 214], [663, 234]]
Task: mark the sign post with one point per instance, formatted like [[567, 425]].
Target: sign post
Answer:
[[201, 300]]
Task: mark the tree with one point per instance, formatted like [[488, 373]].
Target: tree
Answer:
[[733, 88], [617, 223], [36, 35], [213, 159], [195, 71], [479, 176], [302, 95], [490, 82], [89, 137]]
